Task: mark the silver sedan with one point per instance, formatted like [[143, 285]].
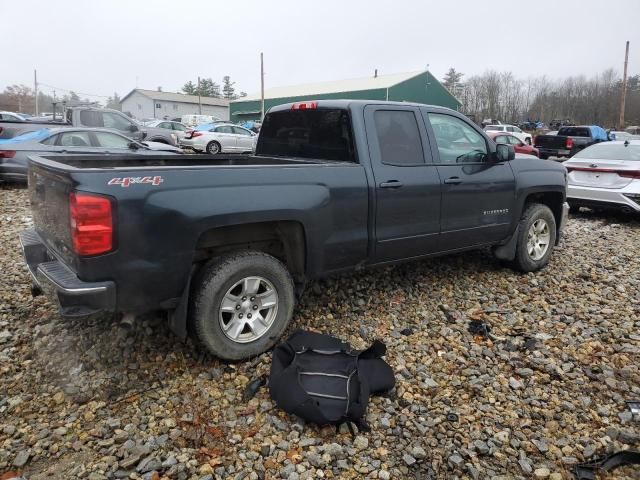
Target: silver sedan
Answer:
[[221, 138], [15, 152], [605, 175]]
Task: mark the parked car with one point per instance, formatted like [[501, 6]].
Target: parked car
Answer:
[[569, 141], [336, 185], [92, 117], [11, 116], [518, 145], [620, 135], [221, 138], [176, 128], [15, 152], [606, 175], [513, 130], [193, 120]]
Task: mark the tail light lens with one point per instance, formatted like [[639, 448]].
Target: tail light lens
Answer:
[[304, 106], [635, 174], [569, 143], [7, 153], [196, 134], [91, 223]]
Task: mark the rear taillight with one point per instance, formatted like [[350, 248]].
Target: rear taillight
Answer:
[[629, 173], [635, 174], [569, 143], [91, 223], [7, 153], [304, 106], [196, 134]]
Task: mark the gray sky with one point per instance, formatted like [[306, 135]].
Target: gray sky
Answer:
[[99, 47]]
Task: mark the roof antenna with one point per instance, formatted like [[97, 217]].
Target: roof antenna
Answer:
[[375, 73]]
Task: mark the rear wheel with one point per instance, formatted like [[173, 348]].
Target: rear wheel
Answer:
[[213, 148], [536, 238], [242, 304], [544, 156]]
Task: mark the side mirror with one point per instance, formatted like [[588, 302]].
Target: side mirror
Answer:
[[504, 152], [133, 146], [133, 128]]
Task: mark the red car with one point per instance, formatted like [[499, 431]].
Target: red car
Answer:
[[519, 146]]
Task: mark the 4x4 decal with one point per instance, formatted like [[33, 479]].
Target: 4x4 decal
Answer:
[[126, 181]]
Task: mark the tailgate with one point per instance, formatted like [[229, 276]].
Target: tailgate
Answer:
[[49, 195], [553, 142]]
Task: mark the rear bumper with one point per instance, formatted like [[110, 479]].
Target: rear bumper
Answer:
[[606, 198], [554, 152], [75, 297]]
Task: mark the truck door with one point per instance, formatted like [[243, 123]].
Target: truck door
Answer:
[[478, 194], [407, 212]]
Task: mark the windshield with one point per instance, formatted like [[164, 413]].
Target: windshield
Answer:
[[610, 151], [323, 134]]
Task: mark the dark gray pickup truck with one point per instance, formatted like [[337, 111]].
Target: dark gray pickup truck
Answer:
[[224, 243]]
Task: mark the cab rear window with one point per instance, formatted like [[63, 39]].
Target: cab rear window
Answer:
[[322, 134]]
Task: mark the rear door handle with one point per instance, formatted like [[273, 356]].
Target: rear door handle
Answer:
[[453, 181], [391, 184]]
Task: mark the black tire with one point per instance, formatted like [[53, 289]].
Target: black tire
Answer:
[[544, 156], [212, 284], [213, 148], [524, 261]]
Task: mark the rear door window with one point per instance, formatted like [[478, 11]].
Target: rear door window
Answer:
[[323, 134], [224, 129], [398, 137]]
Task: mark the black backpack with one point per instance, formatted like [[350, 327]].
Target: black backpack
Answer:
[[323, 380]]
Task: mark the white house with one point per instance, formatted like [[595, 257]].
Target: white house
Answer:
[[154, 104]]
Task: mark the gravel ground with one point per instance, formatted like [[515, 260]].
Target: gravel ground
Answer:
[[99, 398]]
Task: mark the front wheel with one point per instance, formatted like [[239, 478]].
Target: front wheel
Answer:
[[242, 304], [536, 238]]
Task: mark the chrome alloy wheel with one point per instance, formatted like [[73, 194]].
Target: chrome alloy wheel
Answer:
[[538, 239], [248, 309]]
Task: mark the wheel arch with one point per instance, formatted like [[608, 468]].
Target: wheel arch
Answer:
[[284, 240]]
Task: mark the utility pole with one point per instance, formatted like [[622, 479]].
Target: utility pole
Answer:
[[35, 88], [261, 86], [623, 97], [199, 102]]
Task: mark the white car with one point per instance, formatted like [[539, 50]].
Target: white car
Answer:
[[605, 175], [193, 120], [513, 130], [221, 138], [11, 116]]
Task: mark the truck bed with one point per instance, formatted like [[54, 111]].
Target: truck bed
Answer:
[[116, 162]]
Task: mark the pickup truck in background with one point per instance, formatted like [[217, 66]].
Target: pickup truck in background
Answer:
[[93, 117], [224, 243], [569, 141]]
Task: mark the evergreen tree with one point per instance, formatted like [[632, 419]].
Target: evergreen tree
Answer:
[[228, 91], [452, 81], [114, 102], [190, 88]]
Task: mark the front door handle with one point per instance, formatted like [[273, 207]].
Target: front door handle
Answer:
[[391, 184], [453, 181]]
